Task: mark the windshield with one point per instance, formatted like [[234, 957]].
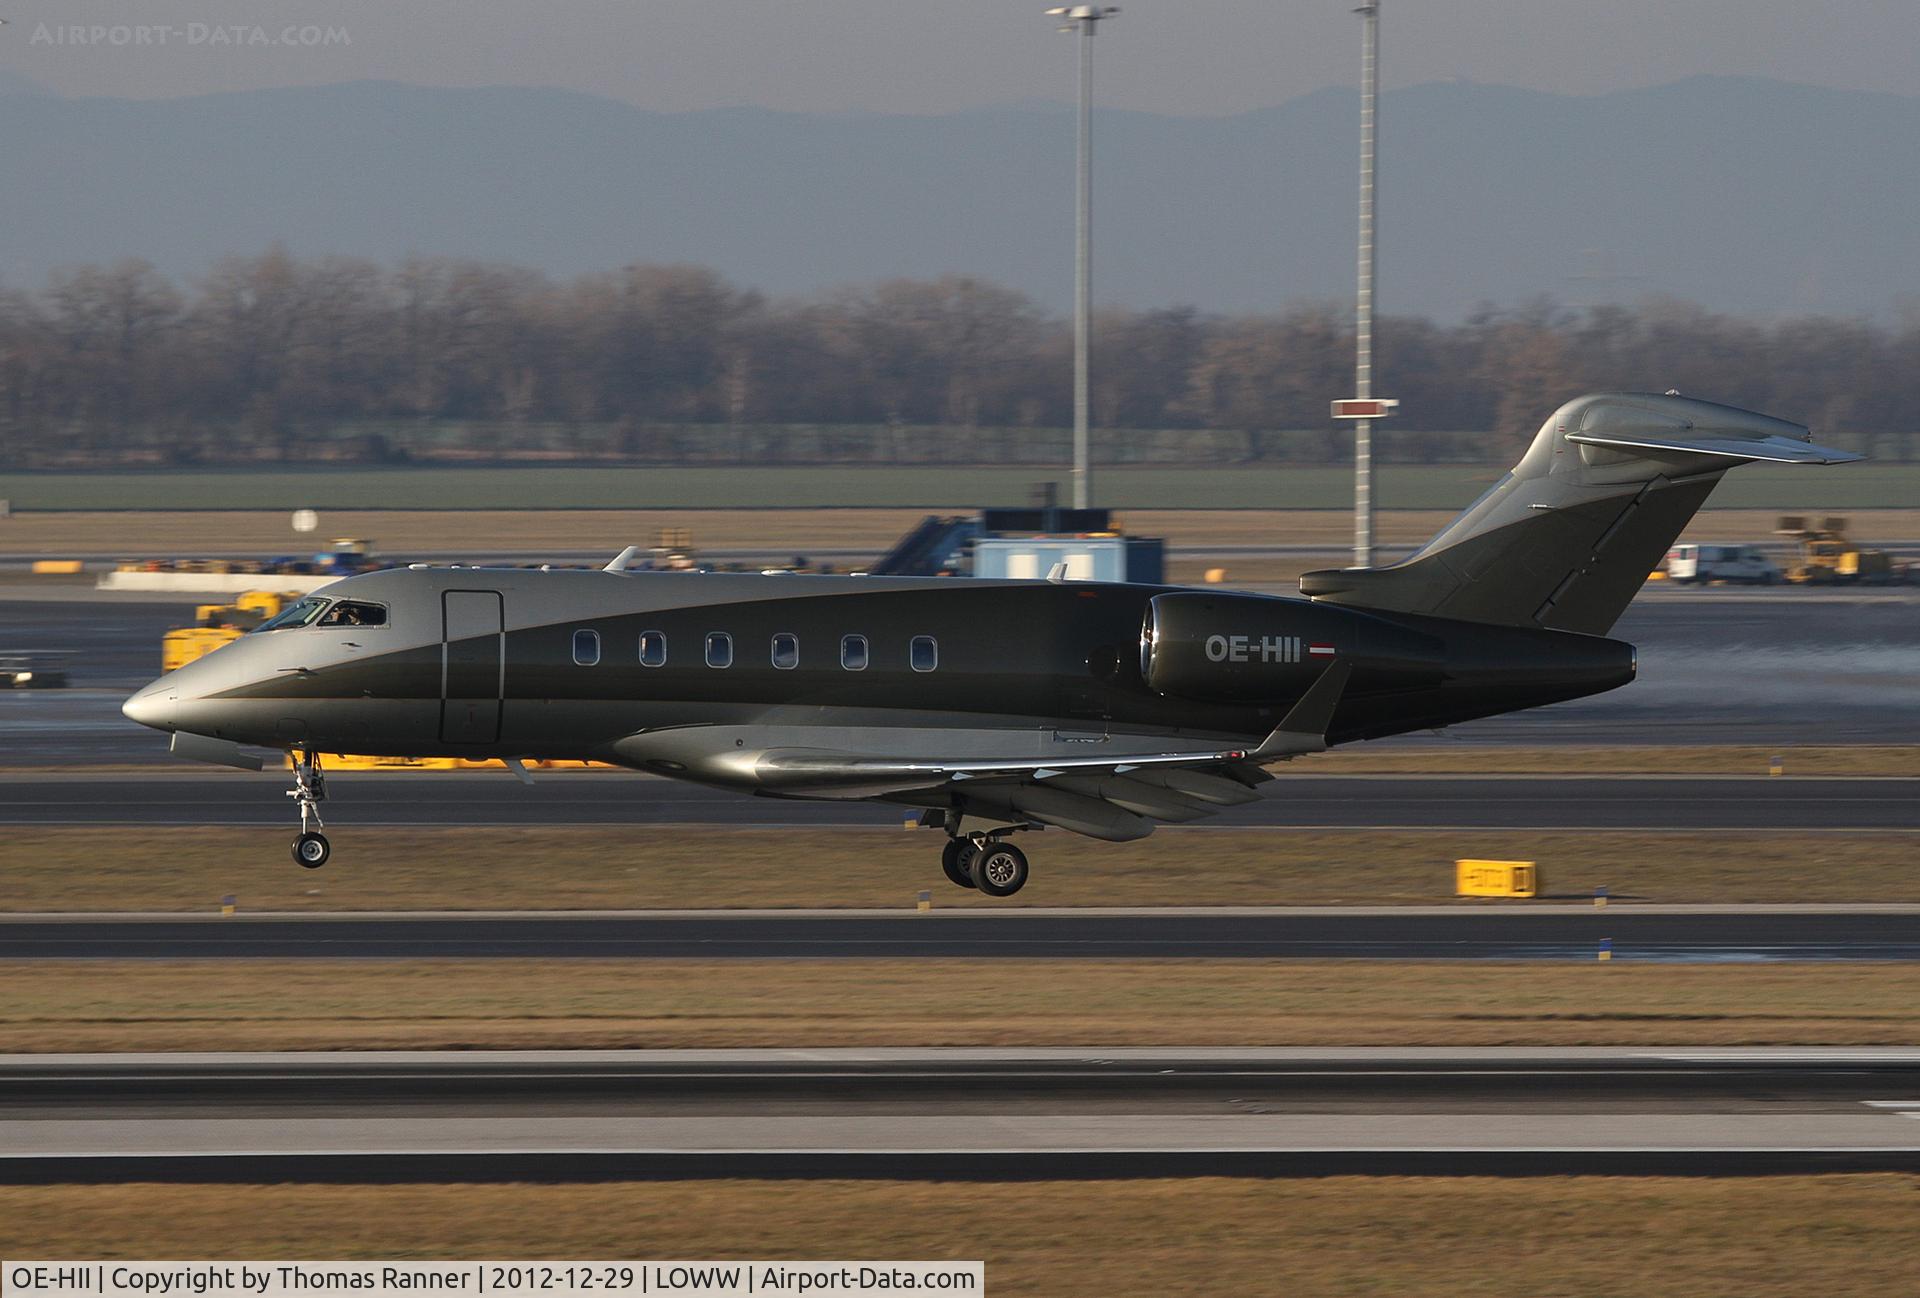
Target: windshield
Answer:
[[298, 613]]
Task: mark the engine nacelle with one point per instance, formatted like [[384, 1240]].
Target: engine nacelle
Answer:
[[1254, 649]]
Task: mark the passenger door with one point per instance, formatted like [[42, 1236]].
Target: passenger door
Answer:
[[472, 666]]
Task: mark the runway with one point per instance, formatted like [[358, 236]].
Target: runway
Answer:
[[956, 1114], [1554, 933], [1297, 799]]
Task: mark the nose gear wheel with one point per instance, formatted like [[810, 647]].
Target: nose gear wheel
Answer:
[[309, 790]]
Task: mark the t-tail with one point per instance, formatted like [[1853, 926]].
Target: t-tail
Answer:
[[1566, 539]]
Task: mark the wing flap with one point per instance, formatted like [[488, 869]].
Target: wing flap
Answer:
[[790, 765]]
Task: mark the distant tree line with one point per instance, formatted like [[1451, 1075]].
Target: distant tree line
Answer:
[[277, 359]]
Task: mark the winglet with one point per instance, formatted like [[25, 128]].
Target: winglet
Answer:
[[1304, 728], [620, 561]]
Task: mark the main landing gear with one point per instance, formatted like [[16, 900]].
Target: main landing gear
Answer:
[[993, 866], [309, 790]]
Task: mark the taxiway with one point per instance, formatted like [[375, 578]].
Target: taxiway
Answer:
[[955, 1114]]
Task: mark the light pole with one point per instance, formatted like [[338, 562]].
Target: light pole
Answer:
[[1363, 302], [1363, 407], [1084, 19]]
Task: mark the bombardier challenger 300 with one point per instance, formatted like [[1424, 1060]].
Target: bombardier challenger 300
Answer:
[[990, 706]]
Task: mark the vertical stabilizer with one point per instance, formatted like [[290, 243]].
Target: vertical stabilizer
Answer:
[[1566, 539]]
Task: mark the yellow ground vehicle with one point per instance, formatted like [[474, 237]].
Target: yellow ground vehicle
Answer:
[[218, 624], [1829, 557], [182, 645]]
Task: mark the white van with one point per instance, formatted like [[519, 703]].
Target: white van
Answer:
[[1745, 564]]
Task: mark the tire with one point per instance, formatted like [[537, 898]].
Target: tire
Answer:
[[312, 850], [1000, 869], [956, 859]]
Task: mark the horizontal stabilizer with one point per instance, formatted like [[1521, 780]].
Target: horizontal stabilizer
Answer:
[[1771, 450]]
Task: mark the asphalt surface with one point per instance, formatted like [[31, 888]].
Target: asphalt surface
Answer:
[[186, 795], [955, 1114], [1717, 666], [1460, 933]]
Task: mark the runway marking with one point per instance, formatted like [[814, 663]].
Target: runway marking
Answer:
[[1025, 1151]]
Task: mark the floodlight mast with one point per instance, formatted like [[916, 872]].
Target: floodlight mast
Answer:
[[1084, 19], [1363, 300]]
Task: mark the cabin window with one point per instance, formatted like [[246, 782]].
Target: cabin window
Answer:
[[354, 612], [586, 648], [853, 652], [719, 650], [786, 651], [925, 655], [653, 648]]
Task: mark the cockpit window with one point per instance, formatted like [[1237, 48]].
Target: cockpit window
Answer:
[[298, 613], [354, 612]]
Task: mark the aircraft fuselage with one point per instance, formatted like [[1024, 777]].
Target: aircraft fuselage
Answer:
[[478, 662]]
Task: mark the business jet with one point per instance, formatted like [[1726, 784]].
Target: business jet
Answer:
[[992, 707]]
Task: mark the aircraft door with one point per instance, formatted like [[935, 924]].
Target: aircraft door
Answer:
[[472, 666]]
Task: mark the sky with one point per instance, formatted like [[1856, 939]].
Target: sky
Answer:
[[1195, 57]]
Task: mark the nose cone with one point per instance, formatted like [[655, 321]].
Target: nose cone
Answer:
[[152, 706]]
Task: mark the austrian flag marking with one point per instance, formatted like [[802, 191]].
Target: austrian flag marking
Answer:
[[1321, 650]]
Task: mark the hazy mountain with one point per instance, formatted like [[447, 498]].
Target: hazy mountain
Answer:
[[1742, 194]]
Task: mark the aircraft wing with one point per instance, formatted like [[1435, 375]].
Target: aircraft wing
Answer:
[[1302, 730], [1113, 795]]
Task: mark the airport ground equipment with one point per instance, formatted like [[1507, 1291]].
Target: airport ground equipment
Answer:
[[993, 707], [344, 557], [36, 670], [186, 644], [1829, 557], [1496, 878], [219, 624], [1022, 543], [1745, 565], [1086, 558], [936, 546]]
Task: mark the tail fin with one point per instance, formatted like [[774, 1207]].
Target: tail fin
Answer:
[[1566, 539]]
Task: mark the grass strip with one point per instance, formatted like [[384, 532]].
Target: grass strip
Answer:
[[1782, 1237], [635, 1004], [190, 869], [153, 530]]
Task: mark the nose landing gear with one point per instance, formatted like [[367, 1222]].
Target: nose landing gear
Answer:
[[309, 790]]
